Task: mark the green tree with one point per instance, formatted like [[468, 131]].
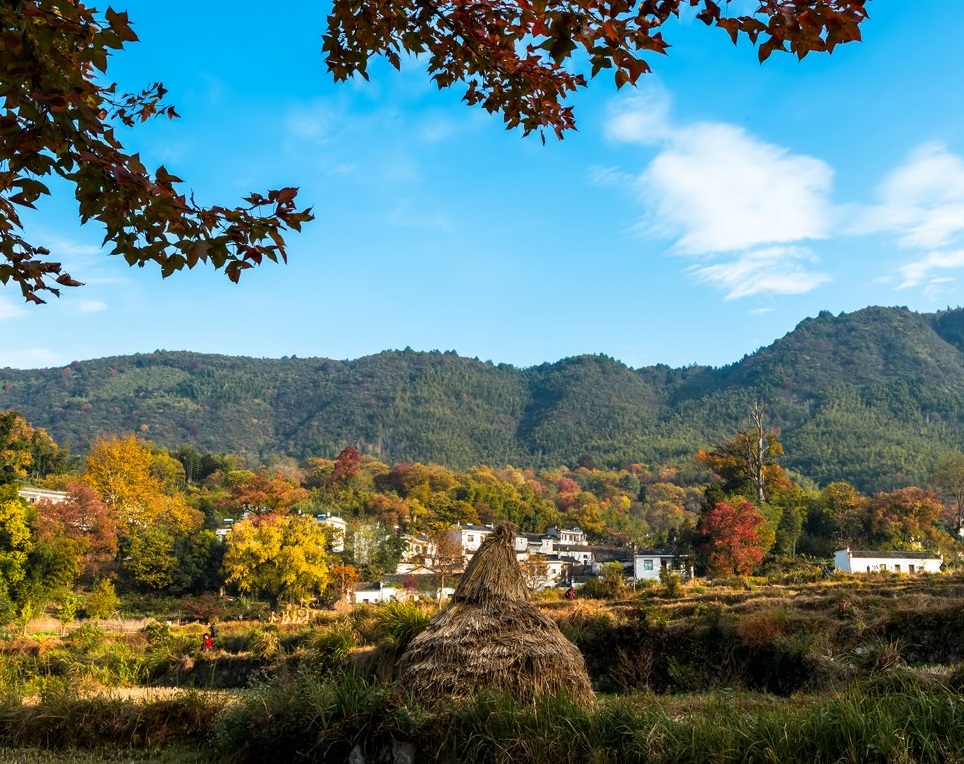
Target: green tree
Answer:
[[279, 556], [15, 544], [102, 602]]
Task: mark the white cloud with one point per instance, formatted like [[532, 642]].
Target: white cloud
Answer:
[[922, 204], [772, 270], [91, 306], [721, 192], [642, 117], [725, 191], [922, 201], [10, 310], [916, 272]]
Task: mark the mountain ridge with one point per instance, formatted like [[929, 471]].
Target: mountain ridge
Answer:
[[873, 397]]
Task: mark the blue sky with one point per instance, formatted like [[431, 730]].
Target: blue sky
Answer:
[[692, 220]]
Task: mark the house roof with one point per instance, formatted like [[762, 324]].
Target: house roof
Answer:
[[655, 553], [880, 555]]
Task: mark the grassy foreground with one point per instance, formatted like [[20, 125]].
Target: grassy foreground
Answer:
[[307, 717]]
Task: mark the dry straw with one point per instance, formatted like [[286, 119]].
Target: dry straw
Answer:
[[491, 637]]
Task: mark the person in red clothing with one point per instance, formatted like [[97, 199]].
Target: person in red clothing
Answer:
[[207, 643]]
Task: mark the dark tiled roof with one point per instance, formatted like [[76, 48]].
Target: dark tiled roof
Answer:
[[893, 555]]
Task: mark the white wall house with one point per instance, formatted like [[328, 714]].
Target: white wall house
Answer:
[[33, 495], [471, 537], [379, 592], [581, 554], [647, 563], [567, 535], [855, 561]]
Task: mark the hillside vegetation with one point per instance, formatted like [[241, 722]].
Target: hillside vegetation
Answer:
[[872, 397]]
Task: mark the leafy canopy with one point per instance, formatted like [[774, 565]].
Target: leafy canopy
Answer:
[[57, 118], [58, 109]]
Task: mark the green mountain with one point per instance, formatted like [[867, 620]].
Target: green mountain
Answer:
[[872, 397]]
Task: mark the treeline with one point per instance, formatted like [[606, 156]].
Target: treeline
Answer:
[[874, 398], [139, 518]]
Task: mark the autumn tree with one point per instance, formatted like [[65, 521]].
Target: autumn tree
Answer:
[[83, 521], [59, 110], [948, 478], [447, 555], [516, 58], [279, 556], [58, 114], [15, 547], [262, 492], [343, 578], [149, 510], [731, 538], [24, 449], [747, 459], [907, 518]]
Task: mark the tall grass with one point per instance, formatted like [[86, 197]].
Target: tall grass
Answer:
[[307, 718]]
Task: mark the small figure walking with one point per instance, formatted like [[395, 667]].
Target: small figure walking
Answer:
[[570, 593], [206, 643]]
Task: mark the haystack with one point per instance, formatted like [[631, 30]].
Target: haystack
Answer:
[[492, 637]]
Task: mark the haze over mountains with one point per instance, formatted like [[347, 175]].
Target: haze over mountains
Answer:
[[873, 397]]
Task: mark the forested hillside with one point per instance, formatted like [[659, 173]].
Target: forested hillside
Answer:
[[871, 397]]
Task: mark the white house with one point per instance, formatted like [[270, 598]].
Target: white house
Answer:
[[33, 495], [581, 554], [647, 563], [379, 592], [854, 561], [567, 535], [471, 537], [544, 571]]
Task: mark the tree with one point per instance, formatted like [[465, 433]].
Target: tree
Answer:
[[21, 445], [343, 578], [15, 543], [748, 458], [121, 470], [59, 112], [948, 478], [262, 492], [57, 118], [905, 519], [280, 556], [513, 57], [731, 536], [102, 602], [448, 557], [147, 506], [83, 519], [375, 550]]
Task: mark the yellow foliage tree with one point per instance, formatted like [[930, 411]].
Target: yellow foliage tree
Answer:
[[124, 471], [280, 556]]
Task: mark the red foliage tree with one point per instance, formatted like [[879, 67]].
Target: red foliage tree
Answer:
[[346, 464], [85, 520], [731, 540]]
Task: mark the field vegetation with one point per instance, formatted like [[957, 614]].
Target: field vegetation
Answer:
[[843, 670]]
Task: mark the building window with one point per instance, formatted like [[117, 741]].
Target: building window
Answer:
[[647, 564]]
